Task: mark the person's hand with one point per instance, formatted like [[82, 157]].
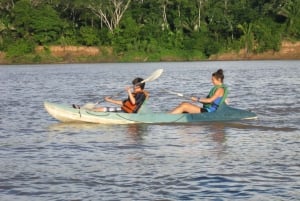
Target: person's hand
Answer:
[[107, 98], [194, 99], [227, 101], [128, 89]]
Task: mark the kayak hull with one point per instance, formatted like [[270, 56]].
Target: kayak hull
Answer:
[[65, 113]]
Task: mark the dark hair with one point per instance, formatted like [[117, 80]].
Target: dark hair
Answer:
[[219, 74], [137, 81]]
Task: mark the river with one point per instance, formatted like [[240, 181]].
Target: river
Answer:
[[43, 159]]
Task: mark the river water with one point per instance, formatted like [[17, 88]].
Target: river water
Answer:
[[42, 159]]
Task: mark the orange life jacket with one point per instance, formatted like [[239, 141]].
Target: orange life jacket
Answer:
[[128, 107]]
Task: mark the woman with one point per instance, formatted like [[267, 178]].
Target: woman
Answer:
[[216, 97]]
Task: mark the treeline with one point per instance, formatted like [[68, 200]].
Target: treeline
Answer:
[[189, 29]]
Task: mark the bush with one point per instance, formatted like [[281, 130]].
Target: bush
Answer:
[[89, 36], [267, 35], [19, 48]]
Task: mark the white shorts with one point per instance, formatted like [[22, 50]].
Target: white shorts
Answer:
[[113, 109]]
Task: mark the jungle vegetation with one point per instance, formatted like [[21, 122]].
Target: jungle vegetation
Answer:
[[187, 29]]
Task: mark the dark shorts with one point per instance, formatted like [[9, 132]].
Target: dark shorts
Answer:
[[203, 110]]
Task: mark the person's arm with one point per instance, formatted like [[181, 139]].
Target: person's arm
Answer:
[[117, 102], [120, 102], [130, 96], [218, 93]]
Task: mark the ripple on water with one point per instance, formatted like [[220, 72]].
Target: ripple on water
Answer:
[[42, 159]]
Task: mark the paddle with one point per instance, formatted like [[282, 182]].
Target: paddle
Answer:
[[178, 94], [156, 74], [189, 97]]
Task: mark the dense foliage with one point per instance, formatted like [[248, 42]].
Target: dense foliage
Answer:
[[191, 29]]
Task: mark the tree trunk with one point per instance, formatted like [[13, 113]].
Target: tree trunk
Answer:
[[112, 14]]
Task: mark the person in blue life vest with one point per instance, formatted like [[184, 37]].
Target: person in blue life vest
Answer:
[[130, 105], [215, 98]]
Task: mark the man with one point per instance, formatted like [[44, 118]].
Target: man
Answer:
[[132, 104]]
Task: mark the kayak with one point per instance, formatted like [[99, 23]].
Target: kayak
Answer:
[[66, 113]]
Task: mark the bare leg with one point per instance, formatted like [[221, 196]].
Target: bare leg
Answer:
[[99, 109], [186, 107]]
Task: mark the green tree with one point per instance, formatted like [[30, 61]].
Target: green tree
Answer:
[[182, 28], [128, 35], [290, 10], [247, 38], [5, 30], [89, 36], [219, 20], [46, 25], [41, 23], [267, 35], [21, 16], [19, 48], [148, 17]]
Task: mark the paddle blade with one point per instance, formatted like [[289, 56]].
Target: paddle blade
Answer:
[[156, 74]]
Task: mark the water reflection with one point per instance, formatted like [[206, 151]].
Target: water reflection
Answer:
[[254, 125], [136, 131], [62, 127], [80, 133], [209, 138], [218, 136], [232, 160], [218, 132]]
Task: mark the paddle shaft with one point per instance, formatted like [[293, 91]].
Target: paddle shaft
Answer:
[[156, 74], [179, 94], [190, 97]]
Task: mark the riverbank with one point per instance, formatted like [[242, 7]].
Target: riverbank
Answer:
[[81, 54], [288, 50]]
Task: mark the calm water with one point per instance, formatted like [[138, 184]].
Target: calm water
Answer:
[[42, 159]]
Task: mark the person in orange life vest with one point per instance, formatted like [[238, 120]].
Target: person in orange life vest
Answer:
[[132, 104], [216, 97]]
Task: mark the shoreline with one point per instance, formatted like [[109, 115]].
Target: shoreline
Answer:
[[288, 51], [82, 54]]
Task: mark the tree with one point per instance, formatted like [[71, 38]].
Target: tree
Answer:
[[110, 12], [46, 25], [6, 6], [178, 27], [267, 35], [89, 36], [290, 10], [41, 23], [248, 37], [188, 15], [5, 29]]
